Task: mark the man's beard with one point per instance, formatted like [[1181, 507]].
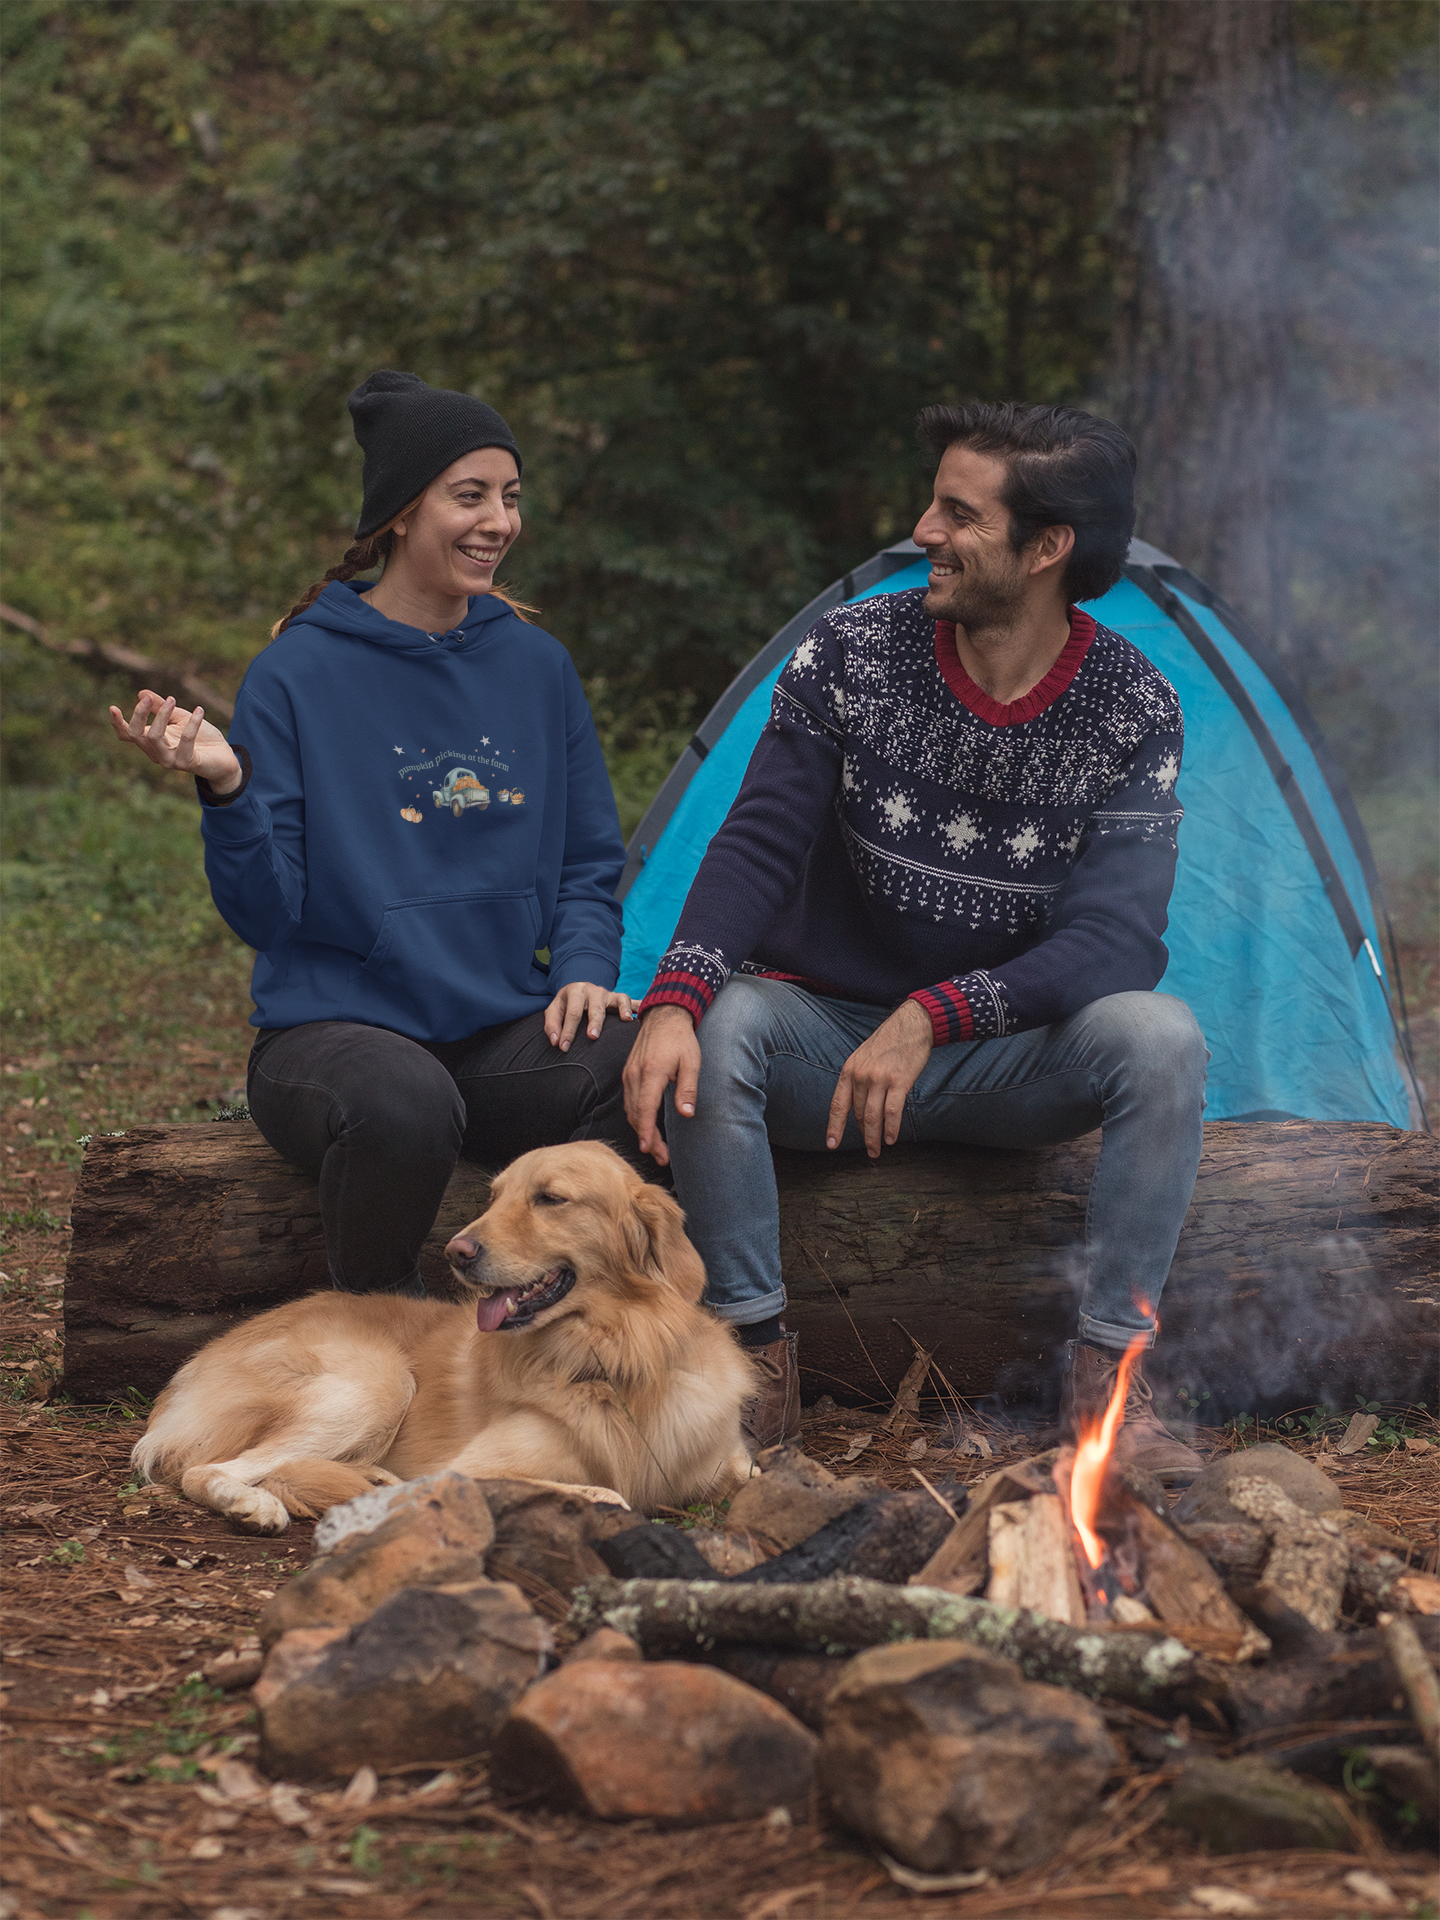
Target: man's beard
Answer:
[[975, 600]]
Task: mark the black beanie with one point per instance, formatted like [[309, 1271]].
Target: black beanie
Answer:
[[409, 432]]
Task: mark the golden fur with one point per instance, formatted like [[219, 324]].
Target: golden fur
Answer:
[[625, 1381]]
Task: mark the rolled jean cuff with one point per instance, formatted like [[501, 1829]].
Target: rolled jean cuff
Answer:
[[744, 1313], [1101, 1333], [412, 1288]]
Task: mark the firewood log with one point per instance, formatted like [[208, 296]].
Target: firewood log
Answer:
[[680, 1616], [1306, 1269], [1339, 1677], [1184, 1589]]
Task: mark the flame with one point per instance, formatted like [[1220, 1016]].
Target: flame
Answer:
[[1092, 1451]]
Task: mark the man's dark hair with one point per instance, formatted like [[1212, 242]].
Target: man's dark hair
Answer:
[[1065, 468]]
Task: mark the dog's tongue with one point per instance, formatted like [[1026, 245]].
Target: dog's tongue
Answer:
[[491, 1313]]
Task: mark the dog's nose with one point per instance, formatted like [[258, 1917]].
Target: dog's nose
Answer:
[[461, 1249]]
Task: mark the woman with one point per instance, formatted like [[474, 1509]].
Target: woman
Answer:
[[413, 802]]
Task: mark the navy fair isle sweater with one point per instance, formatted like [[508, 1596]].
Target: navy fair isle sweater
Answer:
[[899, 834]]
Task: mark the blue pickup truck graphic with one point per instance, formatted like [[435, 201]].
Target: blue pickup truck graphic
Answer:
[[462, 789]]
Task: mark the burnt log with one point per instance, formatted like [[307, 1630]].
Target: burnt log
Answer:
[[1306, 1271]]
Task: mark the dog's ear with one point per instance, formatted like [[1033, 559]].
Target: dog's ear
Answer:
[[658, 1240]]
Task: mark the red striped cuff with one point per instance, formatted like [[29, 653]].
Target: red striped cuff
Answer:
[[951, 1018], [679, 989]]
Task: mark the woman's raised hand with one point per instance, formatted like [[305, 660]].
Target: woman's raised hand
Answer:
[[582, 1001], [176, 737]]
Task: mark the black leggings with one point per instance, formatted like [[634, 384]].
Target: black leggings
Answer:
[[382, 1120]]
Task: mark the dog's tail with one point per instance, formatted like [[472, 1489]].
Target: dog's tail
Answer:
[[306, 1487]]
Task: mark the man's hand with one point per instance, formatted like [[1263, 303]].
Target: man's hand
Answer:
[[665, 1051], [180, 740], [582, 1001], [877, 1077]]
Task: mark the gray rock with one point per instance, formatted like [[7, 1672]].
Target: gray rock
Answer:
[[1411, 1778], [429, 1676], [1206, 1497], [365, 1512], [681, 1745], [1245, 1806], [944, 1757], [435, 1532]]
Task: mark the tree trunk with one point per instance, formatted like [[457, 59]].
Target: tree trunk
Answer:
[[1199, 354], [1306, 1269]]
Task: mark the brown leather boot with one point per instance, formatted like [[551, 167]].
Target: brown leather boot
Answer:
[[772, 1415], [1142, 1441]]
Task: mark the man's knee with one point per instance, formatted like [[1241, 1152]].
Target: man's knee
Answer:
[[1154, 1037]]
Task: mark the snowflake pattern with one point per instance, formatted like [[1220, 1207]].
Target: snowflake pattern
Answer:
[[948, 819], [866, 677], [898, 812], [1024, 845], [961, 832]]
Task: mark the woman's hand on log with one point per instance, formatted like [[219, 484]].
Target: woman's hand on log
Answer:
[[666, 1051], [878, 1076], [180, 739], [581, 1000]]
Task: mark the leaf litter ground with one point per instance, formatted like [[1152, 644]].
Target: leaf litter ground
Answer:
[[129, 1786]]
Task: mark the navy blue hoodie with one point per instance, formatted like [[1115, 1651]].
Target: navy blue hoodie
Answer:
[[422, 815]]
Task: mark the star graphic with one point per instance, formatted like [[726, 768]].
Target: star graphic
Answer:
[[484, 739], [399, 750]]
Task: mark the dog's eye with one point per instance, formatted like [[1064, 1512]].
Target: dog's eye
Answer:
[[551, 1200]]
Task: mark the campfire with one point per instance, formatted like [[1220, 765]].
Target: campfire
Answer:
[[1068, 1535], [956, 1671]]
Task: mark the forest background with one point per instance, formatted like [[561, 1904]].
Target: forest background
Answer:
[[708, 259]]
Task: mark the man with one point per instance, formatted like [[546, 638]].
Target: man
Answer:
[[935, 910]]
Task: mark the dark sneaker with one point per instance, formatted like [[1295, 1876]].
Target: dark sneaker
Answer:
[[1143, 1441], [772, 1416]]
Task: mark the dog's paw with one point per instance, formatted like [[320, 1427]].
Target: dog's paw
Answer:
[[381, 1477], [253, 1510]]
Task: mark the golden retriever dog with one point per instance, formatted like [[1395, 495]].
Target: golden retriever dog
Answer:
[[584, 1357]]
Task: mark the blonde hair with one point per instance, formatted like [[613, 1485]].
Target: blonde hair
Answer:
[[372, 551]]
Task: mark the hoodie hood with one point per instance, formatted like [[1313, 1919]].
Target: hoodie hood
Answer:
[[340, 609]]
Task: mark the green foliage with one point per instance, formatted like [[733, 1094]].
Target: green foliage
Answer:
[[166, 1748], [30, 1219], [363, 1852], [69, 1553], [105, 897], [1395, 1427], [709, 259], [1310, 1423]]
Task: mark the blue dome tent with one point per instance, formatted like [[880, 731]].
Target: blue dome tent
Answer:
[[1272, 939]]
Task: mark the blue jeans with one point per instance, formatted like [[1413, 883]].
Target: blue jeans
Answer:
[[1132, 1064]]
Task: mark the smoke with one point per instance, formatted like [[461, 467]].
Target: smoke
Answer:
[[1363, 454]]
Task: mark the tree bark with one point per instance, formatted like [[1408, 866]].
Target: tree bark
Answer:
[[1200, 347], [1306, 1269], [846, 1615]]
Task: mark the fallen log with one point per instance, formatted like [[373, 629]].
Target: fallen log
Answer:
[[846, 1615], [1306, 1270]]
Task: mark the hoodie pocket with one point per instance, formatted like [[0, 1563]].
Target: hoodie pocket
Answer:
[[441, 968]]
